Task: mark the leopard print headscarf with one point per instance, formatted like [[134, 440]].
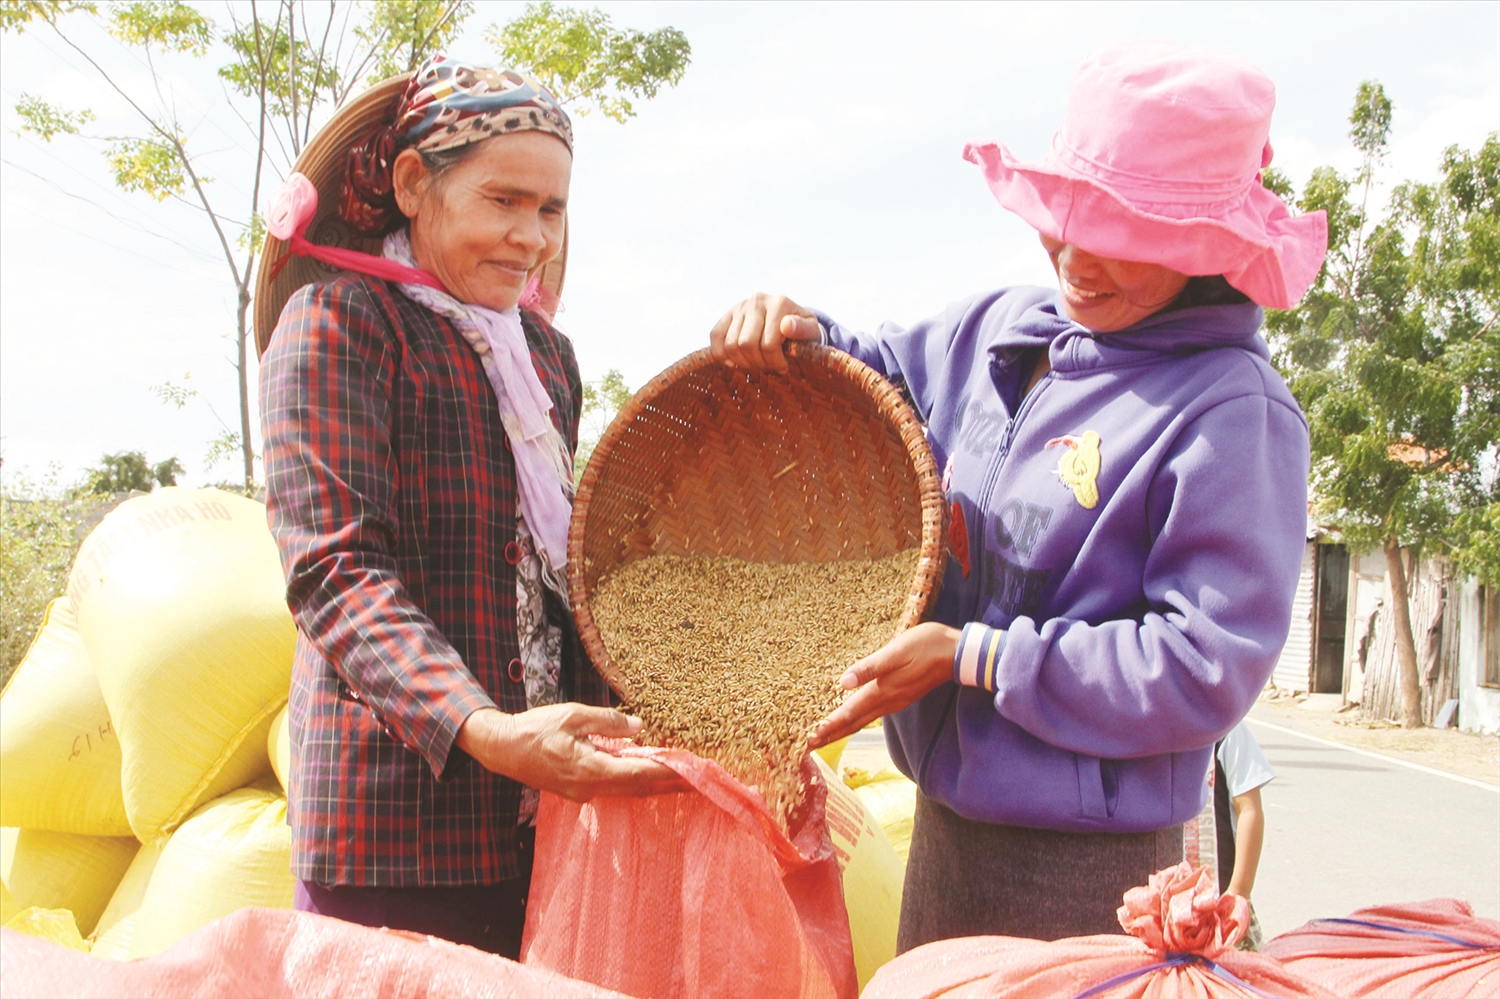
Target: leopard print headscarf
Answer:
[[446, 105]]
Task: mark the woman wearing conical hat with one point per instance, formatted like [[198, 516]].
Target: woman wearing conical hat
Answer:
[[419, 423], [1126, 476]]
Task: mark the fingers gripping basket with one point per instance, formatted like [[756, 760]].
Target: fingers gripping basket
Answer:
[[826, 463]]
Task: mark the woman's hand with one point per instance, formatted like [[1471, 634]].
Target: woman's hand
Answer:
[[751, 334], [905, 669], [549, 748]]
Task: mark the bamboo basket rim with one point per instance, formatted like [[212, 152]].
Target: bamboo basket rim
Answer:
[[888, 403]]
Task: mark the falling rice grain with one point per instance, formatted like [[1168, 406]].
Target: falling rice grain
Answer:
[[736, 661]]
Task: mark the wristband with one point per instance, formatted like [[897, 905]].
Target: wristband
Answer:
[[978, 655]]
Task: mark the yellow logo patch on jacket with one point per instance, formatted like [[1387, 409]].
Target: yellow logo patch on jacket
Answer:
[[1079, 466]]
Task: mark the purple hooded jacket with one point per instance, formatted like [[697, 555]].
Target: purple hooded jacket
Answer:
[[1125, 548]]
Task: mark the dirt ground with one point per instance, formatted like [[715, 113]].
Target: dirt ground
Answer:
[[1474, 756]]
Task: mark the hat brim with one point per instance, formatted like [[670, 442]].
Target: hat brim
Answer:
[[323, 162], [1254, 242]]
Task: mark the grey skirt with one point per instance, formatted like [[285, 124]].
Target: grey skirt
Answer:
[[967, 878]]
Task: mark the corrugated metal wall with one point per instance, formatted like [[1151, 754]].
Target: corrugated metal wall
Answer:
[[1294, 667]]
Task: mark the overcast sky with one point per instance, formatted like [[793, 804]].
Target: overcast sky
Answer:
[[811, 150]]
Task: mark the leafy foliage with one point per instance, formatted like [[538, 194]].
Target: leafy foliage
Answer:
[[1278, 184], [1394, 353], [15, 15], [47, 120], [292, 70], [253, 235], [128, 471], [1395, 357], [580, 56], [148, 166], [39, 535], [222, 448], [291, 63], [405, 32], [168, 25], [1370, 121], [175, 395], [601, 401]]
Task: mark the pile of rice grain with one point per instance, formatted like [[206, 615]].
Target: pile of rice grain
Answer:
[[736, 661]]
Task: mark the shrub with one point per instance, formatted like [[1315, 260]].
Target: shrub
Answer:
[[40, 531]]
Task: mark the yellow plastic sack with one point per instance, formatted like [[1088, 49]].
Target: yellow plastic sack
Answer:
[[59, 758], [116, 930], [892, 799], [279, 745], [8, 906], [53, 870], [833, 752], [233, 852], [872, 877], [56, 925], [181, 603]]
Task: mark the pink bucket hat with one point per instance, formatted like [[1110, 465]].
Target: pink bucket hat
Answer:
[[1158, 161]]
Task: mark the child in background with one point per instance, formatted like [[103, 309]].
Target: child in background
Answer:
[[1240, 771]]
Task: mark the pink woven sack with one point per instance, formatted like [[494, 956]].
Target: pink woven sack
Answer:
[[694, 894], [1181, 944], [278, 952], [1434, 948]]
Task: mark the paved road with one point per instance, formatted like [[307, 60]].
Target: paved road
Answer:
[[1348, 829]]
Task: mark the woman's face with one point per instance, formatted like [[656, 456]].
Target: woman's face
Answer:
[[484, 224], [1106, 295]]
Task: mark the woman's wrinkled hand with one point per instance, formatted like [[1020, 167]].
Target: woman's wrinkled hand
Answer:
[[549, 748], [751, 334], [904, 670]]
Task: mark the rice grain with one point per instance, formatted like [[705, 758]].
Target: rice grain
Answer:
[[736, 661]]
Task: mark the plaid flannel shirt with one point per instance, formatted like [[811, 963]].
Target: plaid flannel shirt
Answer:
[[391, 492]]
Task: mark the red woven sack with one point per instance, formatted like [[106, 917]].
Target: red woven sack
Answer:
[[693, 894], [278, 952], [1434, 948], [1182, 941]]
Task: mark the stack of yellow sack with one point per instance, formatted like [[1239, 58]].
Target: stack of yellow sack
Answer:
[[891, 798], [139, 736], [887, 794], [869, 822], [135, 777]]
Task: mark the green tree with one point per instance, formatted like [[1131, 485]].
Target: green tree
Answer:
[[128, 471], [157, 160], [601, 401], [290, 64], [406, 32], [39, 535], [1395, 358], [582, 58]]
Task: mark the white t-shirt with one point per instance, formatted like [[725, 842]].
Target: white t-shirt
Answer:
[[1245, 766]]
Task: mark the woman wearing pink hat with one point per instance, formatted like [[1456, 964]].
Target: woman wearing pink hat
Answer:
[[1127, 483]]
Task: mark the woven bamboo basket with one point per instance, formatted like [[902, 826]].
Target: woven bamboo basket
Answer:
[[825, 463]]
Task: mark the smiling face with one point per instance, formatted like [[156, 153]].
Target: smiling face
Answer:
[[1107, 295], [485, 223]]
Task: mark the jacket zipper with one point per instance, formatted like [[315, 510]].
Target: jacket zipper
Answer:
[[988, 489], [984, 499]]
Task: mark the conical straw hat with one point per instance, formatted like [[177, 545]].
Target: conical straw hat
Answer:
[[322, 162]]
